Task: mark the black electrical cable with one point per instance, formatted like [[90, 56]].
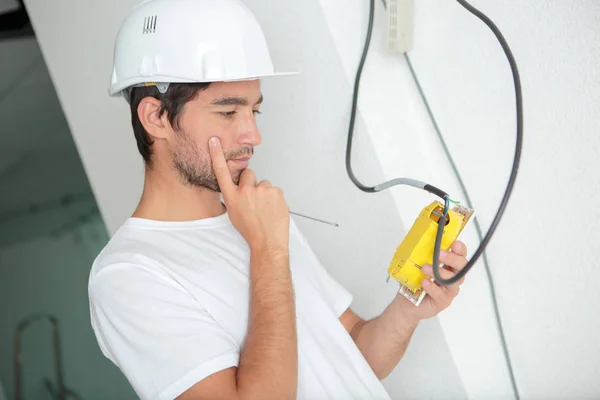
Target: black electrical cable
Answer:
[[385, 185], [517, 157], [363, 58], [510, 185], [508, 192], [519, 105], [486, 263]]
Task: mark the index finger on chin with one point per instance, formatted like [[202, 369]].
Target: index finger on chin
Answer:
[[220, 167]]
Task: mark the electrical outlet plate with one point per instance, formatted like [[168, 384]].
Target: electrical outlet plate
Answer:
[[400, 25]]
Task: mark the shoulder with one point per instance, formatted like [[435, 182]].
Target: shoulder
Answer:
[[126, 261]]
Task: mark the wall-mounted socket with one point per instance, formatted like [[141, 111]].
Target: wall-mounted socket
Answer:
[[400, 25]]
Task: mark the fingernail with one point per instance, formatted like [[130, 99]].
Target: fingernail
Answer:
[[427, 269], [443, 254], [214, 142]]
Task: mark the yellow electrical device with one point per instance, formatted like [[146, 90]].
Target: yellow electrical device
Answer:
[[417, 247]]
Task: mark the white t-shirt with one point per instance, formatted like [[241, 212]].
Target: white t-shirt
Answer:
[[169, 306]]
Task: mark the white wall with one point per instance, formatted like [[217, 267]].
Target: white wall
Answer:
[[49, 275], [304, 127], [543, 265], [545, 253]]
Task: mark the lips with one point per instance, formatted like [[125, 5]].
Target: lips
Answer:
[[241, 157], [241, 163]]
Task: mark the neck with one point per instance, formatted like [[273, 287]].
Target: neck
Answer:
[[165, 198]]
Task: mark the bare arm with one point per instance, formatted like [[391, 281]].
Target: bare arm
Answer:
[[268, 365], [383, 340]]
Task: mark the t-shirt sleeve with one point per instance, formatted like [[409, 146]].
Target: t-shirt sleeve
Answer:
[[160, 337], [334, 293]]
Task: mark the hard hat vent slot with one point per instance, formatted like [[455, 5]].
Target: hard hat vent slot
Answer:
[[149, 24]]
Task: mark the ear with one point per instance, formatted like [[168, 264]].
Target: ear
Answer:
[[149, 114]]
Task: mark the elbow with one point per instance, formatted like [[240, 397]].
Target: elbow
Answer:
[[355, 330]]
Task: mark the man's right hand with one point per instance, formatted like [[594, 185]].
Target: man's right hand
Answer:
[[268, 362], [257, 209]]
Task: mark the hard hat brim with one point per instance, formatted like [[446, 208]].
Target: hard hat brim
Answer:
[[117, 89]]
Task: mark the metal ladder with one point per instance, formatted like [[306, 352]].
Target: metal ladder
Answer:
[[61, 392]]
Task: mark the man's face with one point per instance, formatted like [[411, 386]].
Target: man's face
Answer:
[[225, 110]]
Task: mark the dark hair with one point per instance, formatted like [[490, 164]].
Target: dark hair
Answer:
[[172, 102]]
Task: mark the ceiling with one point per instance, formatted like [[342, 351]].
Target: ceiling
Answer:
[[39, 164], [8, 5]]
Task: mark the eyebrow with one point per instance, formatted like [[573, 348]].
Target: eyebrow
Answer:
[[233, 101]]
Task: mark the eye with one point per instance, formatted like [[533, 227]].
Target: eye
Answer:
[[256, 112], [228, 114]]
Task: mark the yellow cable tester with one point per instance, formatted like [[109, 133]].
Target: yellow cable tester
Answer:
[[417, 247]]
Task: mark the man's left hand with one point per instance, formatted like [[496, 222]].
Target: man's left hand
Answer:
[[438, 297]]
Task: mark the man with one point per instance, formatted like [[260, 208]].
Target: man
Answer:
[[201, 298]]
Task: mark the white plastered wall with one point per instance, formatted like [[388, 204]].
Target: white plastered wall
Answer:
[[544, 255]]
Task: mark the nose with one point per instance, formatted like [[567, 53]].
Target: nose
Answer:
[[249, 133]]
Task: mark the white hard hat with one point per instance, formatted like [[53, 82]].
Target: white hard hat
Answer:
[[164, 41]]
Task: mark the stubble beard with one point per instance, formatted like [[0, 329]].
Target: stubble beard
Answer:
[[194, 166]]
